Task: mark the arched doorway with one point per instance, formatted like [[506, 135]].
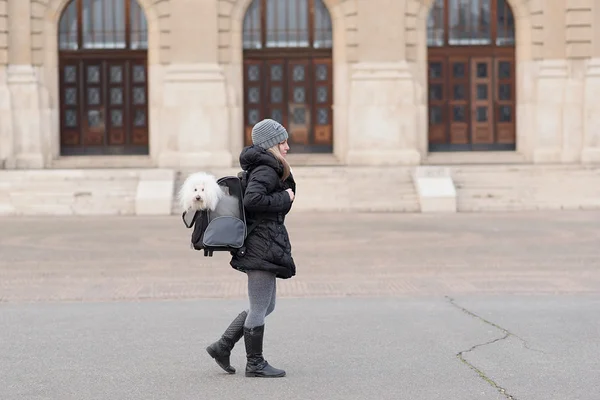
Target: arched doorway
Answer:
[[103, 78], [288, 70], [471, 75]]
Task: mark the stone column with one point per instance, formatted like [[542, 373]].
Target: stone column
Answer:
[[6, 136], [195, 120], [572, 127], [23, 87], [6, 131], [383, 110], [382, 128], [549, 117], [591, 139], [552, 82]]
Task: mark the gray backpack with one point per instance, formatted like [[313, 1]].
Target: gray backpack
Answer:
[[222, 231]]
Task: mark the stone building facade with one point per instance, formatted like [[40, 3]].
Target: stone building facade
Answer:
[[177, 84]]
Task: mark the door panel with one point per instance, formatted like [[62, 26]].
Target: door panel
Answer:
[[322, 101], [298, 105], [505, 100], [71, 103], [104, 105], [138, 103], [117, 99], [458, 100], [471, 99], [253, 111], [94, 125], [438, 97], [298, 93], [482, 121], [276, 91]]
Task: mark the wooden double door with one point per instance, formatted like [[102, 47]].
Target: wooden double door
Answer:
[[472, 101], [296, 92], [104, 105]]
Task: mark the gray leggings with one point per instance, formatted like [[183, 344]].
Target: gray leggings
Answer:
[[261, 293]]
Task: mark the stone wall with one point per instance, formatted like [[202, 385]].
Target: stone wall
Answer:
[[591, 115], [380, 83], [563, 74], [345, 17], [3, 32], [579, 30], [382, 124], [44, 18], [554, 70]]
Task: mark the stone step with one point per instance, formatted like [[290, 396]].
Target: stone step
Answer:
[[320, 188], [505, 188], [86, 192], [102, 162]]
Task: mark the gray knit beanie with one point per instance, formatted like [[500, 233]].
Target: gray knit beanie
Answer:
[[267, 133]]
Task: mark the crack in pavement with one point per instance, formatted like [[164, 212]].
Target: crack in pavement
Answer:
[[507, 334]]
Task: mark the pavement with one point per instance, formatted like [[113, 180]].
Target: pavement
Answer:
[[384, 306]]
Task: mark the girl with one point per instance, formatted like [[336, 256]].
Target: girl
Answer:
[[269, 194]]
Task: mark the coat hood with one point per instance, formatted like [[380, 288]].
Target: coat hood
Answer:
[[254, 156]]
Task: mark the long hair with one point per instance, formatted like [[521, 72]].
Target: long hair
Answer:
[[286, 167]]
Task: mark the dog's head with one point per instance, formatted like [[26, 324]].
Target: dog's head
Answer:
[[200, 191]]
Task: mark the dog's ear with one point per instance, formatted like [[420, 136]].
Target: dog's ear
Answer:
[[183, 196]]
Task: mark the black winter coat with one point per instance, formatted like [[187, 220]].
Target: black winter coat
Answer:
[[268, 246]]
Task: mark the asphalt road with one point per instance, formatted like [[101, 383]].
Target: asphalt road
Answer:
[[428, 349]]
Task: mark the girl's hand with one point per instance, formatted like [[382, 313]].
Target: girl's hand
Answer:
[[291, 193]]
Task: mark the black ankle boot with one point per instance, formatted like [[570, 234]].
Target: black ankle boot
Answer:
[[221, 349], [256, 365]]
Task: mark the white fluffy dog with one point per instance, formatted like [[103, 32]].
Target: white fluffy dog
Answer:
[[200, 192]]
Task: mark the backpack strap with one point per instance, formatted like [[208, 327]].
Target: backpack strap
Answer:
[[242, 250], [254, 225]]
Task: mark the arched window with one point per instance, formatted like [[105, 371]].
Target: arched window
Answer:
[[103, 78], [470, 23], [287, 24], [471, 75], [288, 70], [103, 24]]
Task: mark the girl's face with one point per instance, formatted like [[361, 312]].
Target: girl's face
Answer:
[[284, 147]]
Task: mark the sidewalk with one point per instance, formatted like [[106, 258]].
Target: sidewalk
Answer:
[[137, 258]]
